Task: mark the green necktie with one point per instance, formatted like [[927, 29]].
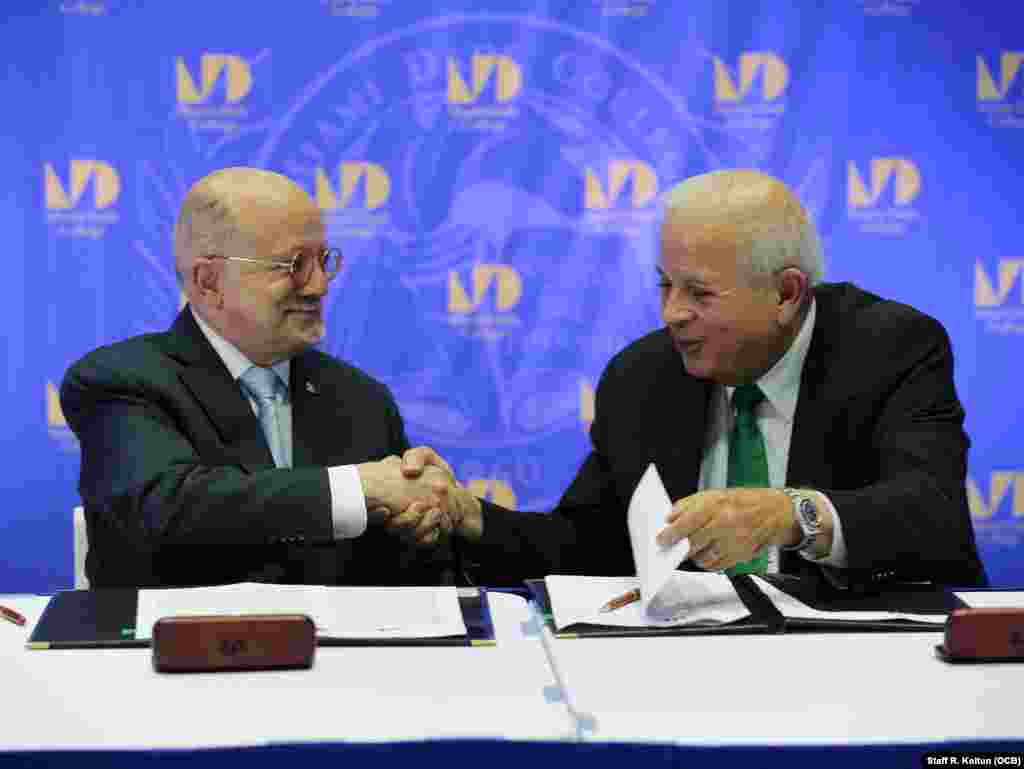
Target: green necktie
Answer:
[[748, 462]]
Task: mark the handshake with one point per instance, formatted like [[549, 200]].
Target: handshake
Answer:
[[417, 498]]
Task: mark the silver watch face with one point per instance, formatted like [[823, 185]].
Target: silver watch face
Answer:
[[808, 513]]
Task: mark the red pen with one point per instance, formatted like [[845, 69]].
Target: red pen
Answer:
[[12, 615]]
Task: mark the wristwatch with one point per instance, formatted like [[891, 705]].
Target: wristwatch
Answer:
[[806, 512]]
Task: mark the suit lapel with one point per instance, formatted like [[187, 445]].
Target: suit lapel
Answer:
[[679, 426], [686, 454], [319, 424], [312, 408], [209, 380], [807, 449]]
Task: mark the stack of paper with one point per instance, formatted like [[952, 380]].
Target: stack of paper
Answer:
[[337, 612]]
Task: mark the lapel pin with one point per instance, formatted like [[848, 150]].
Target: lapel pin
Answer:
[[311, 388]]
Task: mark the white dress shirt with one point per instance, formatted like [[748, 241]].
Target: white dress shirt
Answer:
[[348, 506], [781, 387]]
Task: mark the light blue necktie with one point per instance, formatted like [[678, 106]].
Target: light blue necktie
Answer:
[[264, 385]]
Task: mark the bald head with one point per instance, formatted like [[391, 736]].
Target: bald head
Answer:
[[225, 213], [756, 212], [239, 236]]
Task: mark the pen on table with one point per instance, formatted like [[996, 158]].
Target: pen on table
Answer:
[[623, 600], [12, 615]]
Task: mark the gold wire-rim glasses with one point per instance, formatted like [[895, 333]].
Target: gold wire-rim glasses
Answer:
[[300, 266]]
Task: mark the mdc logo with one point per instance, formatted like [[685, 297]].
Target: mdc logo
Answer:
[[214, 67], [907, 182], [106, 185], [498, 492], [999, 485], [56, 424], [507, 77], [370, 178], [54, 414], [1009, 65], [772, 70], [509, 288], [621, 173], [587, 404], [989, 293]]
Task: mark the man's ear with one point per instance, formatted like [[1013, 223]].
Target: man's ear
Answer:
[[208, 279], [793, 290]]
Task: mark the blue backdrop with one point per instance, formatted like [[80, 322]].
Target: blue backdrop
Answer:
[[491, 169]]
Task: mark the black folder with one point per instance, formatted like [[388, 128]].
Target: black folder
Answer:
[[105, 618], [914, 598], [763, 619], [766, 618]]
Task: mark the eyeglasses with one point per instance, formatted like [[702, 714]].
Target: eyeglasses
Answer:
[[300, 266]]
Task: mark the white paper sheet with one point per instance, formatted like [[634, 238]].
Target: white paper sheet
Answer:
[[648, 510], [391, 612], [793, 608], [687, 598], [345, 612], [994, 599]]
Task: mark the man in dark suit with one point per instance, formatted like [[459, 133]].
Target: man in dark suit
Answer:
[[860, 432], [192, 473]]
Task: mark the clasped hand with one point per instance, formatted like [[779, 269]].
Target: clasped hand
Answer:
[[418, 499], [409, 506]]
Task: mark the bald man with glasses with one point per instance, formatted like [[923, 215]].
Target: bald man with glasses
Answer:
[[227, 448]]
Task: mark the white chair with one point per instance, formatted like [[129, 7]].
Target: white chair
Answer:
[[81, 548]]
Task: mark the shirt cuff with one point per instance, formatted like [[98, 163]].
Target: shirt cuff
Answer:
[[837, 556], [348, 506]]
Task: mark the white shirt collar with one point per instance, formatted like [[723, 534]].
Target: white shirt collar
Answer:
[[234, 358], [781, 383]]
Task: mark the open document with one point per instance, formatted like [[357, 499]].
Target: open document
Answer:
[[337, 612], [669, 598], [648, 514], [686, 598]]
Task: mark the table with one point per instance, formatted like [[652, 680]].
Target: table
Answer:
[[840, 699]]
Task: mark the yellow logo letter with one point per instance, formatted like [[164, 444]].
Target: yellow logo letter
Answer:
[[1009, 64], [998, 486], [908, 182], [498, 492], [645, 185], [775, 78], [510, 78], [106, 185], [984, 293], [510, 288], [376, 186], [54, 414], [239, 78], [587, 404]]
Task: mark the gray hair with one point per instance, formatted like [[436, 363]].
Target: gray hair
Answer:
[[206, 225], [771, 225]]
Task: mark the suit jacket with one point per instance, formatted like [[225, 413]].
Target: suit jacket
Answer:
[[878, 428], [180, 488]]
